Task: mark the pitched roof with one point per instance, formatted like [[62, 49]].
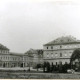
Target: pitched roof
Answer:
[[31, 52], [63, 40], [36, 51], [16, 54], [3, 47]]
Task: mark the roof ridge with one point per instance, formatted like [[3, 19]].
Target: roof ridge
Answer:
[[63, 39]]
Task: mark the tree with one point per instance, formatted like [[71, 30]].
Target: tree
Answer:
[[48, 67], [38, 66], [52, 67], [75, 56], [44, 66], [60, 67], [65, 67]]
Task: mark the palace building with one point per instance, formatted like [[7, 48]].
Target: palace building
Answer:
[[60, 50], [9, 59], [35, 56]]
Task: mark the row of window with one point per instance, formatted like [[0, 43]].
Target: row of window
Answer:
[[57, 54], [51, 47], [4, 51], [9, 58], [61, 62], [12, 58]]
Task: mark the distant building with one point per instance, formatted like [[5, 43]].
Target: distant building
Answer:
[[60, 49], [18, 60], [9, 59], [35, 56]]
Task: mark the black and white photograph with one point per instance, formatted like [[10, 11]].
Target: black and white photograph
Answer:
[[39, 39]]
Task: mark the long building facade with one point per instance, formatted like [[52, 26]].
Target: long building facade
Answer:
[[9, 59], [60, 50]]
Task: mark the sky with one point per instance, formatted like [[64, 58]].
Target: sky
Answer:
[[26, 24]]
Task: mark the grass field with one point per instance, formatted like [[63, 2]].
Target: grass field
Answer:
[[35, 75]]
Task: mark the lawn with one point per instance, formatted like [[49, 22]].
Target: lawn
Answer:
[[39, 75]]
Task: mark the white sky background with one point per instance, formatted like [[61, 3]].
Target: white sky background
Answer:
[[26, 24]]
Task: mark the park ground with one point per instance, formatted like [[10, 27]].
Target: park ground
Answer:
[[22, 73]]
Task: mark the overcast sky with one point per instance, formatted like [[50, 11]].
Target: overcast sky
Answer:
[[26, 24]]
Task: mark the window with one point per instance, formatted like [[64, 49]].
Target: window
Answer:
[[56, 63], [65, 54], [55, 54], [1, 51], [4, 57], [47, 54], [65, 46], [52, 55], [8, 58], [60, 54], [47, 47], [75, 46], [13, 58], [65, 62], [18, 58], [6, 51], [70, 54], [51, 47], [60, 46]]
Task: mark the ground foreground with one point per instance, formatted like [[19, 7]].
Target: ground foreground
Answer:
[[39, 75], [23, 73]]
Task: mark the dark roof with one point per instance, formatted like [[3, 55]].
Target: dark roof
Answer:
[[3, 47], [34, 51], [63, 40], [13, 53]]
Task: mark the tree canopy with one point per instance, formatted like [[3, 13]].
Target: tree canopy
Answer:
[[75, 55]]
